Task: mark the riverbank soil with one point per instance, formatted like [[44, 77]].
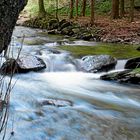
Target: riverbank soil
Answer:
[[115, 31]]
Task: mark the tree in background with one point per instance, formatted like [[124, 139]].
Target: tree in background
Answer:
[[122, 8], [84, 7], [131, 12], [56, 14], [115, 9], [77, 4], [42, 11], [71, 8], [92, 12]]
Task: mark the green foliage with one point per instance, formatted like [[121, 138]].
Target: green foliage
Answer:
[[103, 6], [119, 51], [137, 2]]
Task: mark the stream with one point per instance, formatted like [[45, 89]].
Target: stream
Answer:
[[101, 110]]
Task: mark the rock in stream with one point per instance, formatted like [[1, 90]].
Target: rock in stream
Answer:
[[22, 65], [57, 102], [126, 76], [98, 63], [133, 63]]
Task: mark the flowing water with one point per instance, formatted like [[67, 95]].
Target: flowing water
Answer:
[[101, 110]]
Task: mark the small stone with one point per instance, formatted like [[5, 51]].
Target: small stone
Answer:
[[57, 102]]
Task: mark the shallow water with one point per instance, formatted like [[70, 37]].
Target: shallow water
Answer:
[[101, 110]]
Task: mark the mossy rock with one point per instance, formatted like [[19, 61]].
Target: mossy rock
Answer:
[[53, 24], [37, 23], [126, 76], [65, 25], [138, 48], [86, 36], [62, 22], [67, 31], [133, 63], [76, 30]]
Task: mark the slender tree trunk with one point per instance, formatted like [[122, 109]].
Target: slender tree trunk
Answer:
[[71, 8], [122, 8], [77, 2], [131, 12], [92, 12], [84, 7], [115, 9], [56, 14], [42, 11]]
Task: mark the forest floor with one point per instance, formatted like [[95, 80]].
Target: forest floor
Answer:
[[117, 30]]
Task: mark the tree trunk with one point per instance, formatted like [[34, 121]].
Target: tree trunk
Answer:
[[42, 11], [115, 9], [84, 7], [77, 2], [122, 8], [9, 12], [56, 14], [71, 8], [131, 12], [92, 12]]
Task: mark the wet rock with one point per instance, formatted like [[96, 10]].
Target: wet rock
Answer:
[[62, 22], [65, 25], [86, 36], [57, 102], [98, 63], [2, 104], [133, 63], [138, 48], [76, 30], [126, 76], [38, 53], [54, 51], [53, 24], [53, 32], [67, 31], [22, 65]]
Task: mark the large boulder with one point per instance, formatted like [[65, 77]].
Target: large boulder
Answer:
[[22, 65], [138, 49], [98, 63], [9, 11], [126, 76], [133, 63]]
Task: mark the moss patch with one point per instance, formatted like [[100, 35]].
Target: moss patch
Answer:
[[136, 71], [119, 51]]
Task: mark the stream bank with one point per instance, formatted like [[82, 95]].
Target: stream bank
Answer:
[[107, 31]]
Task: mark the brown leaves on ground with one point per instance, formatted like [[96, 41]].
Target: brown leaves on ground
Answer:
[[120, 28]]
